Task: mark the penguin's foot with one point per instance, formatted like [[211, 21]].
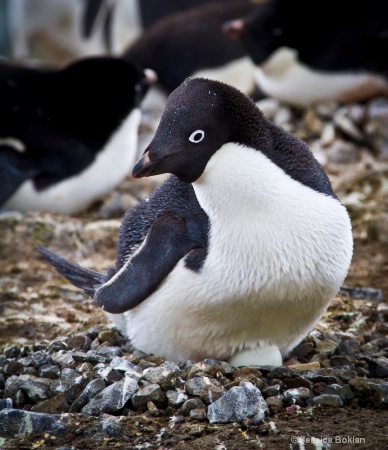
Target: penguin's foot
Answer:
[[259, 356]]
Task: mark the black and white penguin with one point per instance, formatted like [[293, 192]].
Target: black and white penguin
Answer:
[[238, 253], [191, 43], [68, 136], [305, 52]]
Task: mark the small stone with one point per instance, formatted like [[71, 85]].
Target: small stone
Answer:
[[110, 375], [226, 368], [152, 409], [283, 372], [198, 414], [12, 352], [380, 397], [324, 375], [303, 349], [15, 422], [40, 358], [42, 345], [208, 389], [346, 375], [150, 393], [238, 404], [191, 404], [70, 376], [271, 391], [93, 388], [36, 388], [63, 359], [49, 371], [346, 125], [326, 347], [339, 361], [112, 398], [71, 390], [328, 400], [297, 382], [111, 425], [79, 342], [139, 354], [85, 368], [108, 336], [6, 403], [344, 392], [176, 398], [308, 366], [348, 347], [378, 367], [360, 386], [274, 403], [162, 375], [122, 364], [57, 345], [55, 405], [91, 356], [78, 404], [30, 371], [20, 399], [296, 396], [110, 352], [195, 430], [13, 368]]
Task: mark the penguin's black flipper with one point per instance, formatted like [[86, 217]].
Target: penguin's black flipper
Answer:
[[15, 168], [87, 280], [166, 243]]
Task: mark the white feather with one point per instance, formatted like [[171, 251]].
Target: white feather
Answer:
[[285, 78]]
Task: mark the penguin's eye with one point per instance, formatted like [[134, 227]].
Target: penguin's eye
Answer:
[[196, 136]]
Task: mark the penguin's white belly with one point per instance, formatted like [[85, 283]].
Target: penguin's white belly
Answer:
[[283, 77], [71, 195], [278, 253]]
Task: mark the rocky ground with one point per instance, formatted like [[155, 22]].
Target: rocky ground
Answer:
[[70, 381]]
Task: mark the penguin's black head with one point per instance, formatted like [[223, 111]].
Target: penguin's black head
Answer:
[[197, 121]]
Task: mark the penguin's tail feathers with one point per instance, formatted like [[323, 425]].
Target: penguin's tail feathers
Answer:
[[87, 280]]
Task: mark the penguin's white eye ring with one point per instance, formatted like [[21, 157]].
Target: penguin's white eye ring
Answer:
[[197, 136]]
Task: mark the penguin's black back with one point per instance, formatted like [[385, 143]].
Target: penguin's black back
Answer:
[[180, 45]]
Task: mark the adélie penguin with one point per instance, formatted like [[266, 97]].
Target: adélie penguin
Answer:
[[68, 135], [238, 253]]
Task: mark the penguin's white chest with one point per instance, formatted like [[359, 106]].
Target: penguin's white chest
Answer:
[[284, 77], [278, 251], [75, 193]]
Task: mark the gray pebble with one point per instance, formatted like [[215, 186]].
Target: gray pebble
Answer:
[[112, 398], [208, 389], [328, 400], [189, 405], [176, 398], [150, 393], [238, 404], [14, 422]]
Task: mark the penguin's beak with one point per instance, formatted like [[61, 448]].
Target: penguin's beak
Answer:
[[233, 28], [144, 167], [151, 77]]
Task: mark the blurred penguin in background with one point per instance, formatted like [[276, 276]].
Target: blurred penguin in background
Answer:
[[59, 31], [305, 52]]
